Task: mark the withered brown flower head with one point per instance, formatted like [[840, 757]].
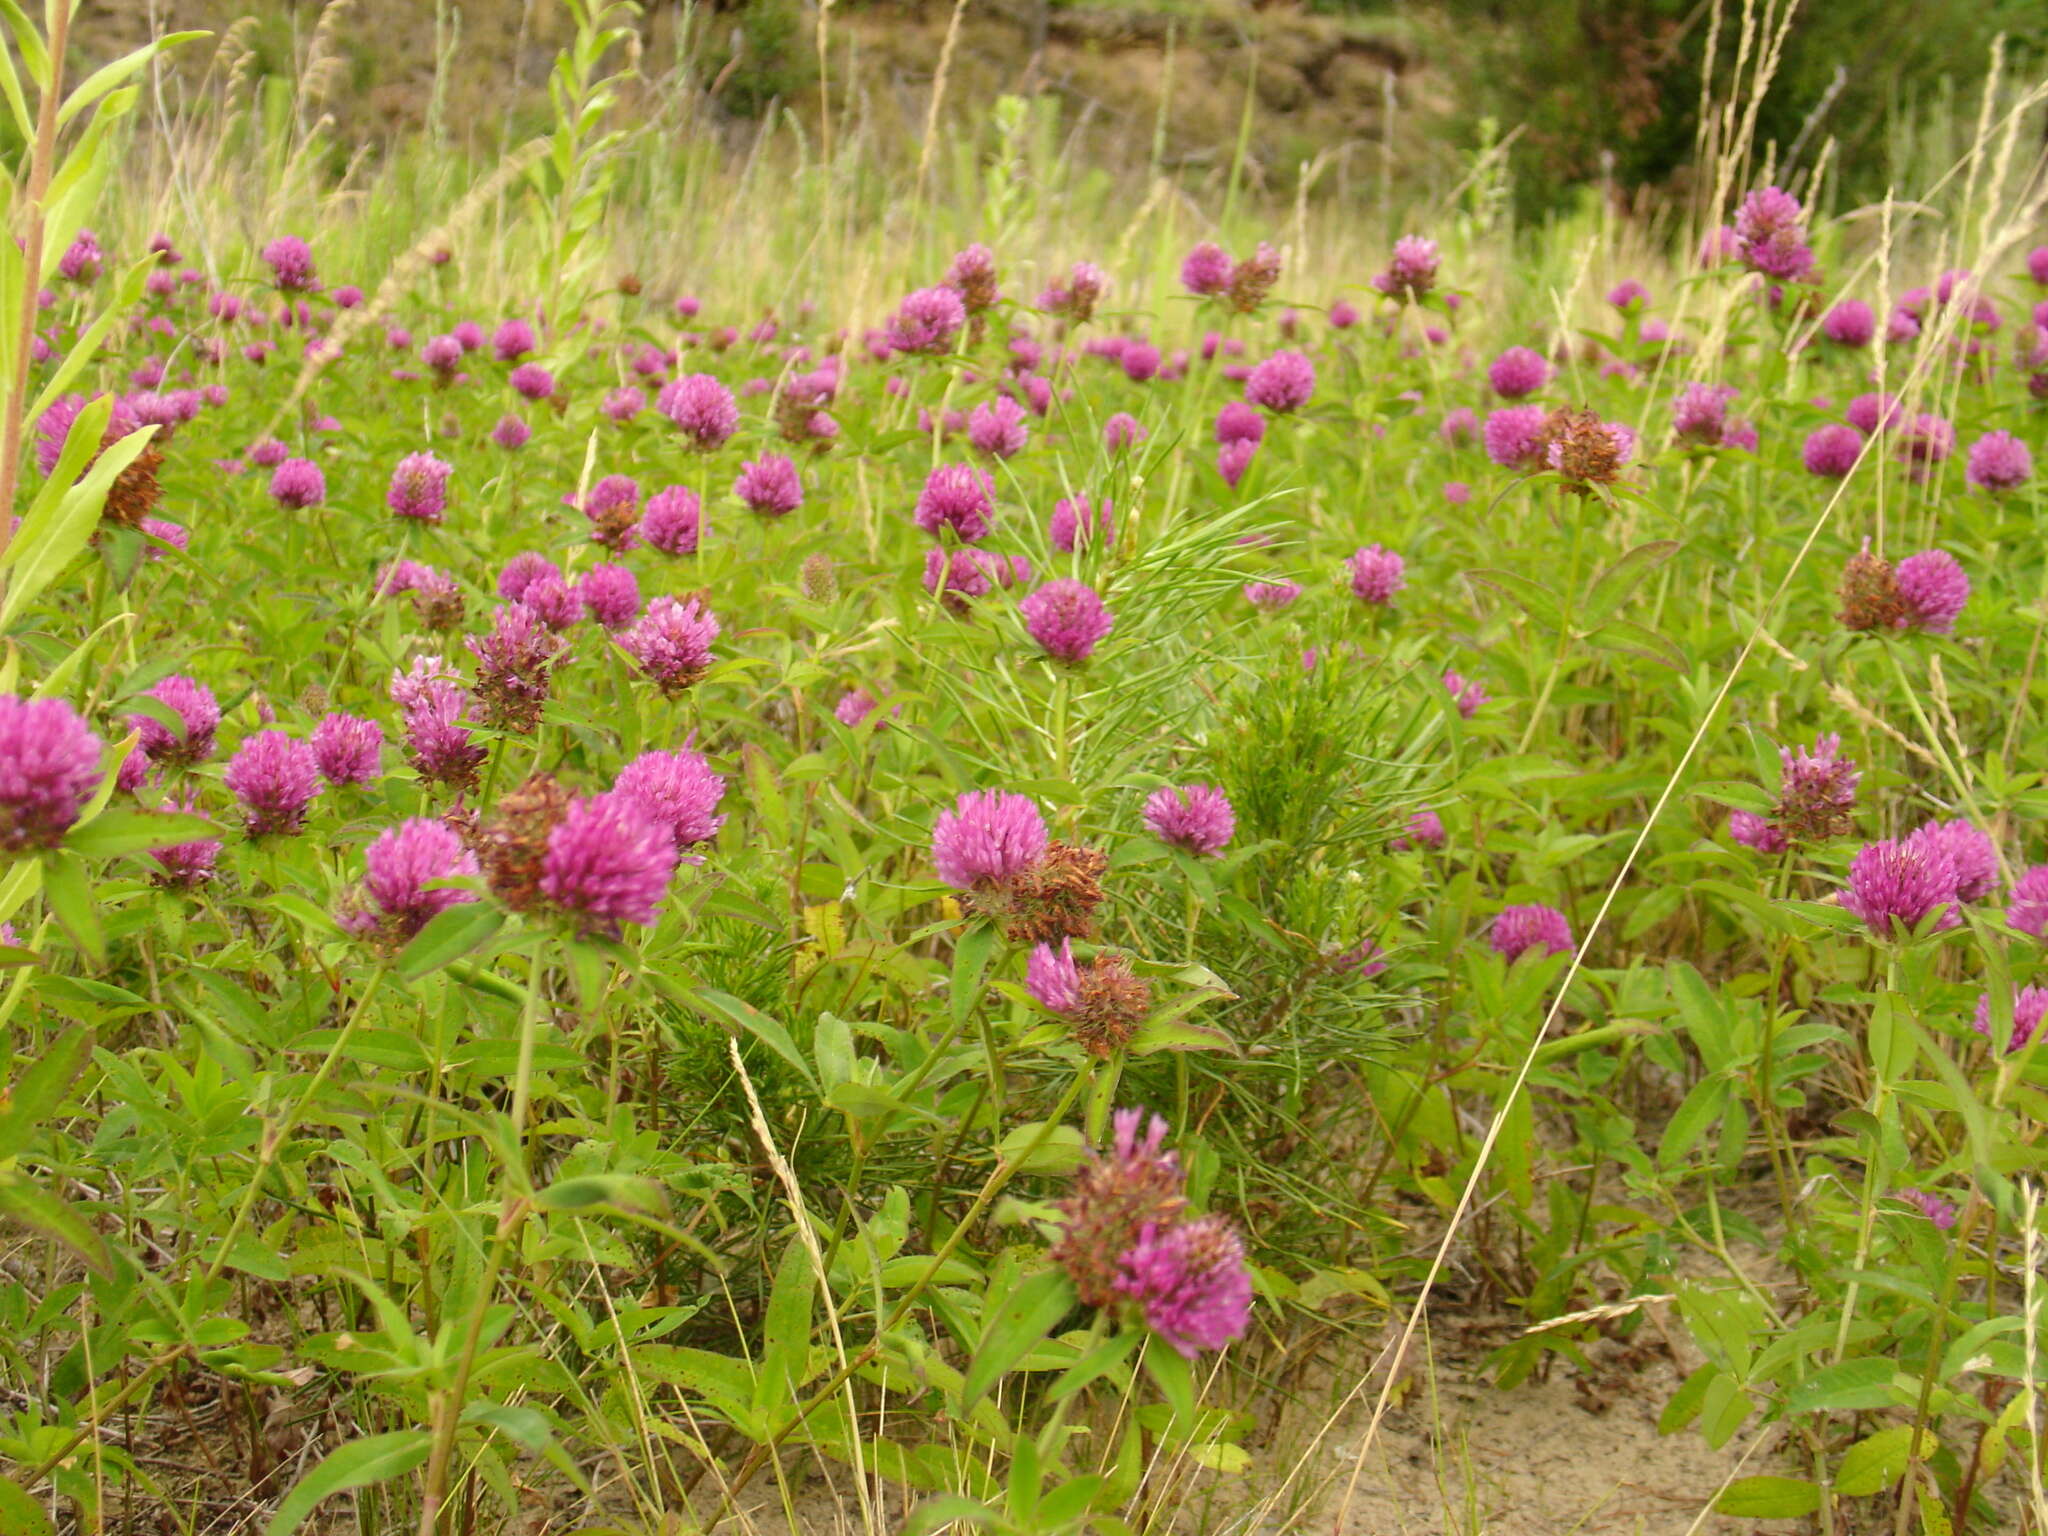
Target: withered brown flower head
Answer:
[[438, 609], [513, 843], [1582, 448], [135, 492], [1113, 1004], [819, 579], [614, 526], [1054, 899], [1870, 593]]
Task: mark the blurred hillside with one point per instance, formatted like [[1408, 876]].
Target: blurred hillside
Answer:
[[1583, 92]]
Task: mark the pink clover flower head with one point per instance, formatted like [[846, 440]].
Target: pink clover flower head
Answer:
[[2028, 909], [1849, 323], [1271, 596], [959, 497], [1197, 819], [1970, 853], [298, 484], [522, 571], [1517, 372], [1067, 619], [291, 264], [1121, 431], [990, 837], [1459, 426], [702, 408], [996, 427], [672, 642], [1757, 832], [955, 576], [1233, 459], [927, 321], [347, 748], [1934, 589], [419, 488], [624, 403], [672, 520], [1700, 414], [608, 862], [2029, 1005], [1238, 422], [81, 262], [1412, 271], [198, 715], [1205, 270], [1628, 296], [1514, 436], [1283, 383], [1771, 230], [1190, 1282], [1902, 883], [1343, 315], [275, 778], [610, 595], [511, 433], [1077, 524], [1927, 439], [1872, 413], [49, 770], [770, 485], [1517, 930], [973, 276], [532, 381], [1052, 977], [1423, 829], [677, 790], [512, 340], [1377, 573], [1466, 694], [180, 866], [401, 890], [854, 706], [1831, 451], [1998, 461], [1816, 790]]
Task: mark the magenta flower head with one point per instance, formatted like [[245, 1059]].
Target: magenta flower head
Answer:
[[1700, 414], [1770, 230], [1831, 451], [610, 595], [770, 485], [1999, 461], [672, 520], [678, 791], [1927, 439], [1934, 590], [959, 497], [1271, 596], [1052, 977], [703, 409], [184, 866], [953, 577], [1140, 361], [1850, 323], [854, 706], [511, 341], [1239, 423], [347, 748], [82, 261], [624, 403], [2028, 909], [1424, 829], [511, 433], [532, 381], [1190, 1282], [1520, 929], [437, 743], [988, 838], [402, 889], [1757, 832], [1816, 792], [608, 862], [1077, 524], [1872, 413], [972, 275], [443, 354], [1628, 296], [1067, 619], [297, 484], [672, 643], [49, 770], [1465, 694], [198, 716], [1197, 819], [927, 321], [1412, 271], [1205, 271], [2029, 1005], [1517, 372], [1233, 459], [419, 488], [1459, 427], [996, 427], [1377, 573], [1282, 383], [522, 571], [1903, 883], [1514, 436], [275, 779], [290, 263], [1970, 851]]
